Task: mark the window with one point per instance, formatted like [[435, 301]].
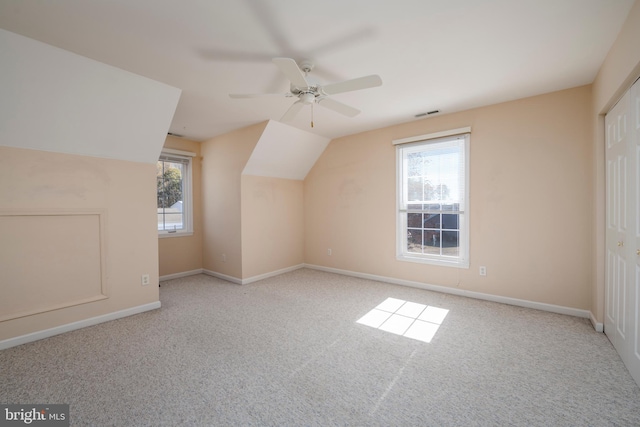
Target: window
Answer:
[[433, 199], [175, 216]]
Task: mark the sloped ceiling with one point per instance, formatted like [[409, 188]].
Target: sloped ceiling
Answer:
[[285, 152], [449, 55], [55, 100]]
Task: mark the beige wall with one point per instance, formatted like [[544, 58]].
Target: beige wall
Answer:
[[251, 225], [530, 201], [183, 254], [619, 70], [272, 224], [223, 159], [39, 185]]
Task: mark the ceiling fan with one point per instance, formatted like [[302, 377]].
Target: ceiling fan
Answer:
[[308, 92]]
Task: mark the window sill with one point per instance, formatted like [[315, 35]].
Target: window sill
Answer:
[[176, 234], [443, 262]]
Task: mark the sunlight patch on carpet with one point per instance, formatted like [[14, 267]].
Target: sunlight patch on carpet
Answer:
[[406, 318]]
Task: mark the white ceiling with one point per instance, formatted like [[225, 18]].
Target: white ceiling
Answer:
[[450, 55]]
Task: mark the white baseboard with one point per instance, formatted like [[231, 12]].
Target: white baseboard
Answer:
[[35, 336], [222, 276], [271, 274], [461, 292], [599, 327], [181, 274], [252, 279]]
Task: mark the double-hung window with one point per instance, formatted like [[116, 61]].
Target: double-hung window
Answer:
[[433, 198], [175, 213]]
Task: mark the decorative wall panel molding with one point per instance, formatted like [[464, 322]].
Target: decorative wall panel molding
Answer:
[[51, 260]]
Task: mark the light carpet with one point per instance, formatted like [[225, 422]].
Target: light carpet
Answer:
[[288, 351]]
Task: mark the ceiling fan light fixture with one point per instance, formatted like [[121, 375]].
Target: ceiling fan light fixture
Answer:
[[307, 98]]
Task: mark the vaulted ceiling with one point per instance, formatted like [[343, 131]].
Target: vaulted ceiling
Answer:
[[446, 55]]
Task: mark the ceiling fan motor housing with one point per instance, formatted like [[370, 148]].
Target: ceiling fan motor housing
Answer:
[[307, 97]]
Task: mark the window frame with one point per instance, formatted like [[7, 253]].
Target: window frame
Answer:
[[186, 158], [462, 260]]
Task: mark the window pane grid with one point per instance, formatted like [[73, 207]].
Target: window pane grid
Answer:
[[431, 234], [432, 200]]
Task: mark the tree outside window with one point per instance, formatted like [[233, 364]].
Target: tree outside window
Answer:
[[433, 200]]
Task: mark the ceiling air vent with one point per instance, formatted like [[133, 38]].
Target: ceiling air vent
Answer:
[[428, 113]]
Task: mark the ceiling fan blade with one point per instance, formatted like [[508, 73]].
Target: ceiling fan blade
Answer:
[[354, 84], [339, 107], [254, 95], [292, 111], [290, 69]]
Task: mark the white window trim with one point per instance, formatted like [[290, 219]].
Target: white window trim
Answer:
[[187, 195], [435, 135], [462, 261]]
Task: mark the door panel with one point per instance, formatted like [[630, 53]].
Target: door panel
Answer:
[[616, 293], [633, 316], [621, 298], [634, 367], [610, 296], [616, 161], [622, 275], [622, 178]]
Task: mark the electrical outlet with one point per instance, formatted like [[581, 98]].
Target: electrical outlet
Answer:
[[145, 279], [483, 270], [224, 257], [328, 251]]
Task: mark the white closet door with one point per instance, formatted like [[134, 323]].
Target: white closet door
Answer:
[[622, 285], [634, 247], [617, 295]]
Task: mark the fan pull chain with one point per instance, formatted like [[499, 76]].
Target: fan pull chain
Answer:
[[312, 114]]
